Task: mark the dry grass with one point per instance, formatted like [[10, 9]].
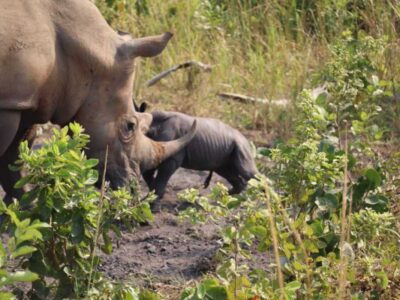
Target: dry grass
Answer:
[[264, 49]]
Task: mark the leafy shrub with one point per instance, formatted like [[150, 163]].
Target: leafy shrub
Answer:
[[74, 217]]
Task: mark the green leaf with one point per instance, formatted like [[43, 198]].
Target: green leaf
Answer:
[[23, 276], [189, 294], [373, 177], [297, 266], [264, 151], [148, 295], [363, 116], [6, 296], [13, 217], [37, 224], [91, 163], [3, 255], [30, 234], [23, 181], [107, 247], [23, 251], [92, 177], [217, 293], [291, 288], [383, 279], [327, 202], [259, 231], [78, 229]]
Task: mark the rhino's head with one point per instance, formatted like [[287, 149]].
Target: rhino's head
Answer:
[[110, 119]]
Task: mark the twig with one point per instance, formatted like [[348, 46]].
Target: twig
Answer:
[[249, 99], [343, 233], [299, 240], [275, 244], [189, 63], [100, 215]]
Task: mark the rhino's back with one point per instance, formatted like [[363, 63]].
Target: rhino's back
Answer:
[[25, 26], [27, 51]]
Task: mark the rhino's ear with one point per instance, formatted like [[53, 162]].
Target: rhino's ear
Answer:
[[146, 46]]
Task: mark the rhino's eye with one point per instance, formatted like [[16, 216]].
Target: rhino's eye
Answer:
[[130, 126], [127, 128]]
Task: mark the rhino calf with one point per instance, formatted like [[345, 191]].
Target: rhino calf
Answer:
[[215, 146]]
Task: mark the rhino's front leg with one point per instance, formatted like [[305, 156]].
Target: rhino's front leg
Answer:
[[8, 178], [9, 124]]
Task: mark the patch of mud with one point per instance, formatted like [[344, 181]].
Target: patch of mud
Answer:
[[167, 250]]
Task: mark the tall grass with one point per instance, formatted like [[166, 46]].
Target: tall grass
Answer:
[[268, 49]]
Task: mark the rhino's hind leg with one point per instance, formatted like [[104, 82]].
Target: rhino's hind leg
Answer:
[[9, 123]]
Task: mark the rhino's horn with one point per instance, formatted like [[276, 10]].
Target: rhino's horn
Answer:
[[149, 46], [164, 150]]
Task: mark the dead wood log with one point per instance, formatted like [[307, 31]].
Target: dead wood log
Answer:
[[249, 99], [190, 63]]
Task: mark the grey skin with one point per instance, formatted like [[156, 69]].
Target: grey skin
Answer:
[[60, 61], [216, 147]]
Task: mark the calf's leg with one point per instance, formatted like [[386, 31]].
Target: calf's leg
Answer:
[[165, 171], [148, 177], [237, 182]]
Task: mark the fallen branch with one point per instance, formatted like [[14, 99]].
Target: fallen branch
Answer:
[[190, 63], [249, 99]]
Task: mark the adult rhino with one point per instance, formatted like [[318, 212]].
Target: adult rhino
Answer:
[[61, 62]]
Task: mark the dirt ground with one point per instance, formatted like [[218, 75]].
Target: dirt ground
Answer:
[[166, 252]]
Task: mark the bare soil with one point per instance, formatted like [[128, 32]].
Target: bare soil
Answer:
[[167, 251]]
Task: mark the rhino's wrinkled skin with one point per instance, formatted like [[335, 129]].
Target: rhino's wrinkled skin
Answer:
[[216, 147], [61, 62]]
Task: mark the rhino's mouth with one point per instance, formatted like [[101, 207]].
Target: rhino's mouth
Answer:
[[118, 177]]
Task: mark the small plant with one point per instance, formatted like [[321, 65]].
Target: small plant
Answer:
[[22, 242]]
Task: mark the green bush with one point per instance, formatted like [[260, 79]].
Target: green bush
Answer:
[[73, 216]]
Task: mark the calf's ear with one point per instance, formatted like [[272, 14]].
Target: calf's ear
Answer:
[[145, 47], [143, 107]]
